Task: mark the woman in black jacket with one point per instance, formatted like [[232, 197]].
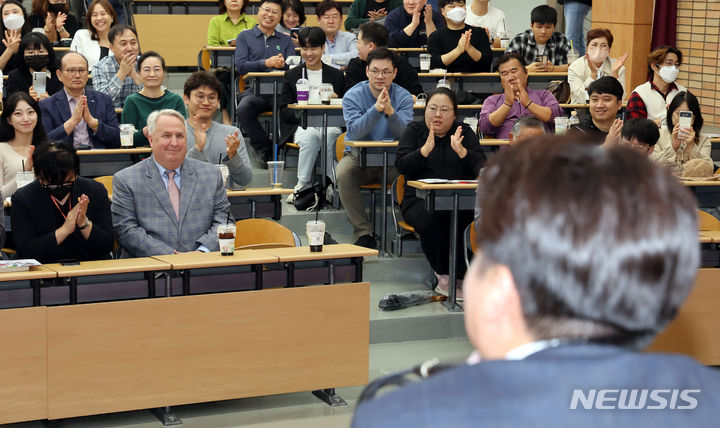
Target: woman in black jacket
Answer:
[[61, 215], [438, 147]]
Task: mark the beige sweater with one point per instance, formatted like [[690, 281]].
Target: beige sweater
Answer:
[[675, 159]]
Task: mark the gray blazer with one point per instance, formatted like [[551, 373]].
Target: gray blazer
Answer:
[[143, 217]]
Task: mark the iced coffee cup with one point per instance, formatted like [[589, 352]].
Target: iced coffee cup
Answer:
[[226, 236], [315, 230]]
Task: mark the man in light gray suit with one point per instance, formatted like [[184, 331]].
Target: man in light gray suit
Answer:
[[168, 204]]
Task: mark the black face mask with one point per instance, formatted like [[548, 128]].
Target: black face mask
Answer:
[[56, 7], [37, 62], [61, 191]]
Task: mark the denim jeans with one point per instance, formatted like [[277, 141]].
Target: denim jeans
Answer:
[[575, 13]]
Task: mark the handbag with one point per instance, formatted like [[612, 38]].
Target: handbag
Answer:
[[560, 90]]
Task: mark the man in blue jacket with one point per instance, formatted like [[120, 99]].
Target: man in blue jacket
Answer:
[[78, 115], [376, 109], [584, 255]]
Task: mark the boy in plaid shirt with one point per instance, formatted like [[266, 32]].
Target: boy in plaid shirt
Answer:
[[542, 47]]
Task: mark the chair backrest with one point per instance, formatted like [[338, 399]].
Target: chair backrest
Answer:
[[400, 188], [707, 221], [340, 146], [262, 233], [473, 237], [106, 180]]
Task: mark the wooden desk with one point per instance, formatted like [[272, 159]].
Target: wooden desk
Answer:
[[102, 272], [486, 83], [95, 163], [373, 154], [444, 197], [204, 264], [709, 236], [332, 259], [257, 202], [14, 285]]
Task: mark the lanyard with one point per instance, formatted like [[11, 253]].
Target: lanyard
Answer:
[[58, 206]]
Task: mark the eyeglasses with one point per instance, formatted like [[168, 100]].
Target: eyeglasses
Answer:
[[384, 73], [202, 98], [329, 17], [149, 69], [270, 11], [67, 185], [444, 111], [73, 71]]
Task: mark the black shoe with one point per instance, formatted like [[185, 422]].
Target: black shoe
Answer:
[[367, 241]]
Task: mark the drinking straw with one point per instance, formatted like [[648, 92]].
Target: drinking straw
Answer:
[[23, 164]]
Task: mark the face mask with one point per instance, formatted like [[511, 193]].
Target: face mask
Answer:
[[37, 62], [56, 7], [597, 55], [457, 14], [668, 73], [14, 21], [60, 192]]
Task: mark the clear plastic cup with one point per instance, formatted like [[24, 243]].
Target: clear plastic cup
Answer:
[[224, 172], [315, 230], [23, 178], [275, 168], [226, 238], [303, 91], [561, 125], [424, 62], [326, 91], [127, 132]]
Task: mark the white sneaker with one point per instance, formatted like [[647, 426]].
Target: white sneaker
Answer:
[[298, 187]]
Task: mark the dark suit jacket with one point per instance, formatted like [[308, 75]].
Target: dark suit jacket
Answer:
[[538, 392], [407, 76], [35, 219], [56, 110], [289, 122], [20, 80]]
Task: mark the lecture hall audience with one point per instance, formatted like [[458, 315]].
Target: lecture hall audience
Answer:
[[153, 96], [340, 46], [21, 131], [362, 11], [602, 124], [481, 14], [93, 41], [55, 18], [293, 16], [224, 28], [410, 26]]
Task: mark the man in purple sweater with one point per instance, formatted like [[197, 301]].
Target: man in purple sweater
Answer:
[[499, 112]]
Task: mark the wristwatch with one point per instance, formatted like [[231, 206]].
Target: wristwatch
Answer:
[[86, 225]]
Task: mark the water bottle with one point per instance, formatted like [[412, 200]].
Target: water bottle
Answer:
[[573, 119]]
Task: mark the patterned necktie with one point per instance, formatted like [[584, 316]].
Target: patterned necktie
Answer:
[[174, 193]]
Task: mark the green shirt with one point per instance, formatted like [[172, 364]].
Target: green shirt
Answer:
[[222, 29], [138, 107]]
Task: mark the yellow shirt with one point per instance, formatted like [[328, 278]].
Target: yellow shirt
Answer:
[[222, 29]]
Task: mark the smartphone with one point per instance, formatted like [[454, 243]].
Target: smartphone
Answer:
[[294, 31], [541, 58], [39, 78], [231, 42], [685, 120], [69, 262]]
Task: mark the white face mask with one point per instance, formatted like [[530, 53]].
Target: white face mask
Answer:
[[457, 15], [14, 21], [598, 55], [668, 73]]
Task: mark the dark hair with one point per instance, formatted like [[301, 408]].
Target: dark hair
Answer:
[[53, 161], [382, 53], [151, 54], [118, 30], [444, 91], [658, 55], [88, 16], [202, 78], [601, 243], [326, 5], [606, 85], [40, 7], [33, 40], [543, 14], [596, 33], [509, 56], [26, 28], [296, 7], [277, 2], [62, 57], [443, 3], [7, 132], [693, 105], [222, 8], [374, 32], [311, 37], [645, 130]]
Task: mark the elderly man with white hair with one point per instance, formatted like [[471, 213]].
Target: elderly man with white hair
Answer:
[[167, 204]]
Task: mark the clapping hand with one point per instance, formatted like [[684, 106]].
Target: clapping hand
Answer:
[[613, 137], [429, 144], [456, 143], [232, 142], [200, 133], [619, 63]]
